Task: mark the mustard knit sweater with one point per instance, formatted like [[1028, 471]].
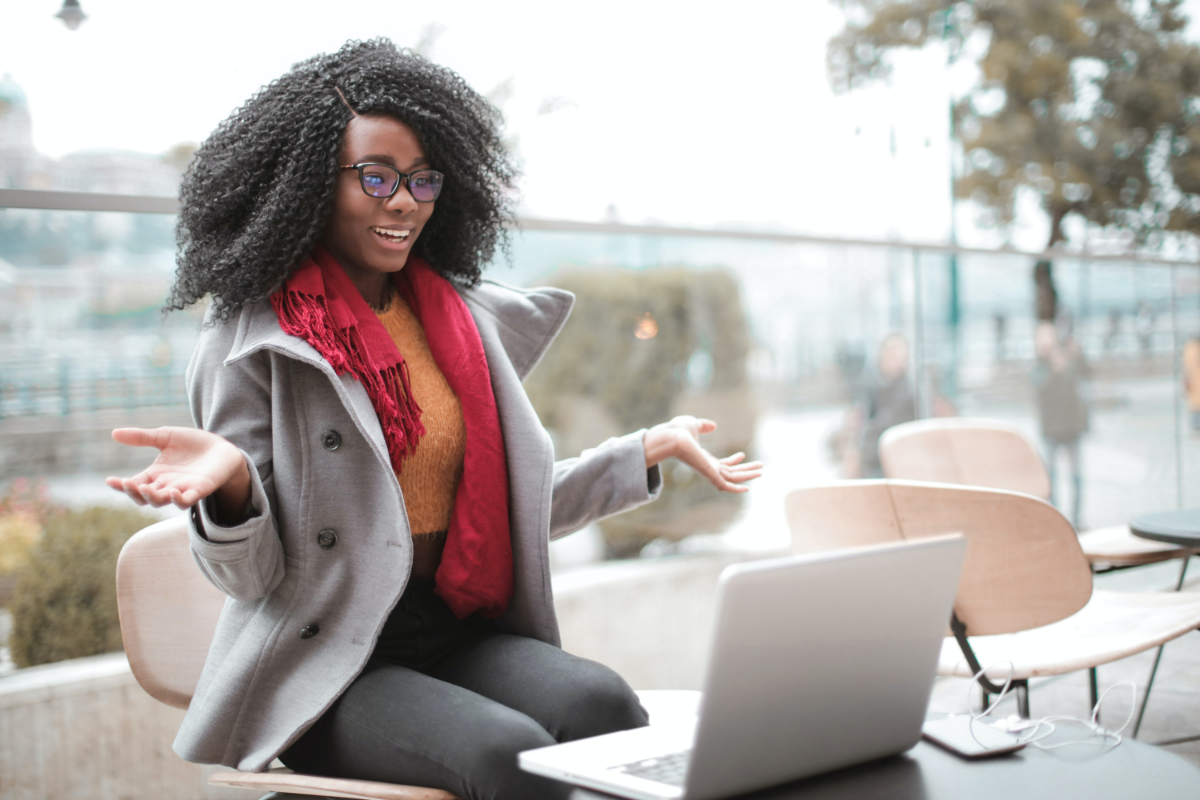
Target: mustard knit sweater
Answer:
[[429, 477]]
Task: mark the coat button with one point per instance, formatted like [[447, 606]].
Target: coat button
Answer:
[[327, 538], [331, 440], [309, 631]]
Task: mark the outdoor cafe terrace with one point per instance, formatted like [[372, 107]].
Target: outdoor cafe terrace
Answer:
[[775, 336]]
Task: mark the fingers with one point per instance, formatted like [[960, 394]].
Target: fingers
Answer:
[[180, 499], [159, 496], [127, 486], [732, 477], [731, 484], [734, 464], [150, 494], [697, 425], [157, 493], [142, 437], [726, 474], [741, 476]]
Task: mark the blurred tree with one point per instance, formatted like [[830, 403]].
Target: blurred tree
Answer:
[[639, 347], [65, 601], [428, 40], [1092, 104], [180, 156]]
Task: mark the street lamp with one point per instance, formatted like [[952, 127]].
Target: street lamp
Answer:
[[71, 14]]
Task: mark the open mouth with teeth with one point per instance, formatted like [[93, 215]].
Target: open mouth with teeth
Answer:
[[389, 235]]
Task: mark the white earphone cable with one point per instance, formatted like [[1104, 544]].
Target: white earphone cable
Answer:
[[1040, 729]]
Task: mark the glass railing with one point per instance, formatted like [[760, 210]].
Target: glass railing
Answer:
[[802, 349], [964, 324], [82, 329], [82, 332]]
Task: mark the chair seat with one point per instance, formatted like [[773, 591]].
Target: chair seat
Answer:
[[1112, 625], [286, 781], [1116, 546]]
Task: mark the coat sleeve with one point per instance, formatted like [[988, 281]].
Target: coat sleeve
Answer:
[[245, 561], [602, 481]]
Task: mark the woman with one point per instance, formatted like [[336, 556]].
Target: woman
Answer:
[[368, 482]]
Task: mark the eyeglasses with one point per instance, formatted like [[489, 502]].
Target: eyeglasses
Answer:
[[382, 181]]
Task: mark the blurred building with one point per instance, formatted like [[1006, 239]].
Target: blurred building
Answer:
[[21, 166], [107, 171]]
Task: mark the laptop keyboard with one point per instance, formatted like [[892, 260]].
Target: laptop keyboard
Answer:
[[670, 769]]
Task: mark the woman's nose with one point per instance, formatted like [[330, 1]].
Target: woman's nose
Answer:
[[402, 201]]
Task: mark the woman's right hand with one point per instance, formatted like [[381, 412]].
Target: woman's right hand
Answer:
[[191, 465]]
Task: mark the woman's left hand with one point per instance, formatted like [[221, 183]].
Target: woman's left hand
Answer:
[[680, 438]]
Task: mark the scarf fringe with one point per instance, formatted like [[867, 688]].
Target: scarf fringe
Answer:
[[308, 317]]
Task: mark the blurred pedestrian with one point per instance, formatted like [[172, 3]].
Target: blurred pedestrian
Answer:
[[1191, 380], [1143, 324], [1113, 331], [1063, 412], [887, 401], [1000, 325], [1046, 299]]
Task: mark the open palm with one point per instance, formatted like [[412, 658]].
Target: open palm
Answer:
[[680, 438], [191, 465]]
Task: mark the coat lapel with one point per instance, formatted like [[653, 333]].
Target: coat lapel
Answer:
[[525, 321], [258, 329]]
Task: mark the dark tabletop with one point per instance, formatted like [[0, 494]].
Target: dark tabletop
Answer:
[[1173, 527], [927, 772]]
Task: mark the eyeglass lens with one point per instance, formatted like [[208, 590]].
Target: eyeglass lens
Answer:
[[379, 180]]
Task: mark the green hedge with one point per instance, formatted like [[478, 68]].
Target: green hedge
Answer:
[[600, 379], [64, 604]]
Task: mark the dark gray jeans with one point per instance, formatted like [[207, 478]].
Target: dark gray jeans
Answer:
[[449, 703]]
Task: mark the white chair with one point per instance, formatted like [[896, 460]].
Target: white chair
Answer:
[[982, 452], [1025, 595], [168, 615]]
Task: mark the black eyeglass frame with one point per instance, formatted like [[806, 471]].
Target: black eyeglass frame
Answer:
[[403, 180]]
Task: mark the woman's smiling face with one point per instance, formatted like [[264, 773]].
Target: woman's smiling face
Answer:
[[372, 237]]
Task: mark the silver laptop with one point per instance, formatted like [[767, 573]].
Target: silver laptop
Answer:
[[818, 662]]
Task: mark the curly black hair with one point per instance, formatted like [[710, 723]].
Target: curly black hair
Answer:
[[258, 193]]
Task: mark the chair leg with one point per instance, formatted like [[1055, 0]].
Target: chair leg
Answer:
[[1137, 726], [1022, 689], [1149, 685], [1093, 692], [1182, 572]]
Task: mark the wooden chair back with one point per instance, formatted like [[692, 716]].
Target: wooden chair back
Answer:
[[1024, 567], [168, 611], [964, 451]]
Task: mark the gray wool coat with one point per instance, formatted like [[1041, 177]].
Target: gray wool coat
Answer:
[[313, 573]]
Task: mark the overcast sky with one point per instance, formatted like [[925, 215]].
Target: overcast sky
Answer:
[[687, 113]]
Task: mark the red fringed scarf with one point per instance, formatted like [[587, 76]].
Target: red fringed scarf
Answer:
[[320, 304]]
